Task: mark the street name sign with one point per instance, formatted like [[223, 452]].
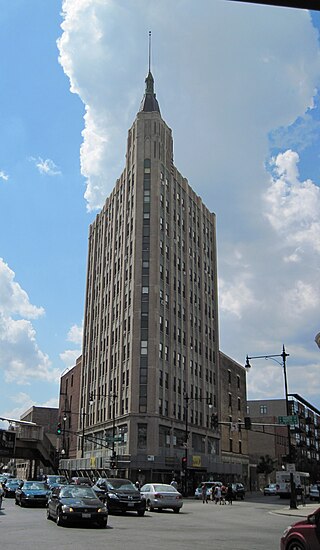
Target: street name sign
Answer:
[[291, 420]]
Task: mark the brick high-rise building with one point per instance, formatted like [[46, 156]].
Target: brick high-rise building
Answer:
[[151, 334]]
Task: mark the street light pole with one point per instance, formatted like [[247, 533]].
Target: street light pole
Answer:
[[82, 440], [112, 396], [283, 355]]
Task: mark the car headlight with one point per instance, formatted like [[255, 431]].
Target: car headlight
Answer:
[[112, 495], [286, 531], [67, 509], [102, 510]]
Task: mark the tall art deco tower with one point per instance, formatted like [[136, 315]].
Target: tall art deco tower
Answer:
[[150, 349]]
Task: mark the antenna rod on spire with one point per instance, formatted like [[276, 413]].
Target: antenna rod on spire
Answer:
[[149, 51]]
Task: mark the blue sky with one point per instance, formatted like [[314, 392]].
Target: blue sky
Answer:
[[241, 78]]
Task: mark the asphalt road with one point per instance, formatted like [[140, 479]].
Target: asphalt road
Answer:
[[246, 525]]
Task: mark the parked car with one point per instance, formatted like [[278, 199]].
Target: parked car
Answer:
[[81, 481], [121, 495], [270, 489], [314, 492], [161, 496], [10, 487], [72, 503], [32, 493], [303, 535], [238, 491]]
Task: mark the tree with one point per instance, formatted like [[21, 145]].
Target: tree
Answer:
[[266, 466]]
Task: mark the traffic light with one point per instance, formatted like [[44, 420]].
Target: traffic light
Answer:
[[59, 428], [184, 462], [247, 422], [214, 421], [292, 454]]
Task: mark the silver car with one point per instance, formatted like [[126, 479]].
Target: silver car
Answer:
[[160, 496]]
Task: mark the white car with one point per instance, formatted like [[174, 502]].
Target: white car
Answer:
[[210, 485], [314, 492], [161, 496], [270, 489]]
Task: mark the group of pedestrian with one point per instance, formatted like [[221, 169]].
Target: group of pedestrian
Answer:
[[220, 494]]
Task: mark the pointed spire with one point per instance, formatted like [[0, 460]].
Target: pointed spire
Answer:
[[149, 102]]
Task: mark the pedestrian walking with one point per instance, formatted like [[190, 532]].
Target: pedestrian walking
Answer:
[[204, 493], [229, 495], [223, 494], [217, 494], [174, 483]]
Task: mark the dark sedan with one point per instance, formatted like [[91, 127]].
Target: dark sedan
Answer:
[[74, 503], [238, 491], [121, 495], [33, 493], [11, 486]]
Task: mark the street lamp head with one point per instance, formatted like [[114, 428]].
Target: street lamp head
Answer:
[[247, 365]]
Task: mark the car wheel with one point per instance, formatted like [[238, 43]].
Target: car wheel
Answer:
[[49, 516], [103, 524], [176, 510], [141, 513], [149, 506], [295, 545], [21, 503], [59, 520]]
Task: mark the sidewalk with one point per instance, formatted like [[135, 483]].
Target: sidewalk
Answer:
[[300, 512]]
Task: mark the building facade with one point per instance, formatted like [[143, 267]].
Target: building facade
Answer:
[[268, 438], [234, 436], [150, 348], [68, 417]]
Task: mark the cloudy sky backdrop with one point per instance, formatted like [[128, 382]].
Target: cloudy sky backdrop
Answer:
[[238, 84]]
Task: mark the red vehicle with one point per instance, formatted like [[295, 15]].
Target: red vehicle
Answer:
[[303, 535]]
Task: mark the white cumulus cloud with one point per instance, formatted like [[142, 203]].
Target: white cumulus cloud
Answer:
[[75, 334], [293, 206], [46, 166], [21, 359], [3, 175], [69, 357], [13, 299]]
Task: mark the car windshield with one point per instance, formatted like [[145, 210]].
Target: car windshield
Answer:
[[56, 479], [77, 492], [123, 484], [34, 485], [164, 489]]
